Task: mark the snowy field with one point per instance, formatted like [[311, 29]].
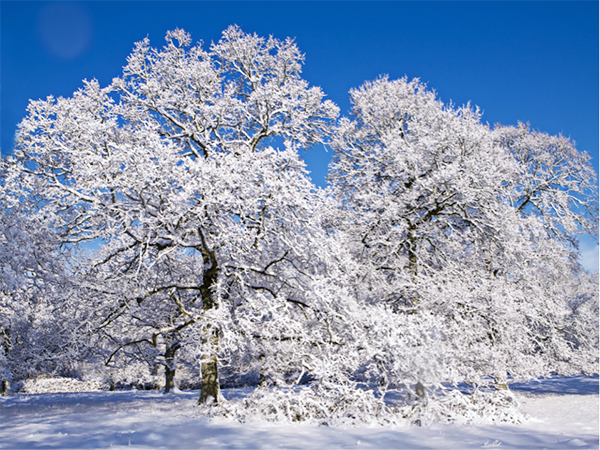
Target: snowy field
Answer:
[[563, 414]]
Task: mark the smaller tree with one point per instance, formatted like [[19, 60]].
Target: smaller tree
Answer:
[[42, 324], [464, 226], [555, 182], [421, 186]]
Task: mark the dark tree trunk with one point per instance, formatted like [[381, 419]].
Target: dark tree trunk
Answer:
[[4, 387], [420, 389], [412, 254], [413, 298], [261, 375], [170, 369], [209, 392]]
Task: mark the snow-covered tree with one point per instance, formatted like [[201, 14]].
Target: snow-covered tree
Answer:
[[41, 326], [555, 182], [173, 164], [420, 183], [435, 206]]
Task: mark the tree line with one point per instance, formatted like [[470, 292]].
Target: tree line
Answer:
[[443, 251]]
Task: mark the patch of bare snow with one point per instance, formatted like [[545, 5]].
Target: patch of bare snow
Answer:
[[149, 419]]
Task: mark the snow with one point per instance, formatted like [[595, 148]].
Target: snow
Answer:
[[563, 415]]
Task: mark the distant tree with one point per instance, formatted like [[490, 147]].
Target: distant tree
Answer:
[[452, 219], [41, 326], [554, 182]]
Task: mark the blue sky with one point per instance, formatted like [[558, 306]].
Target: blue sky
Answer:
[[534, 62]]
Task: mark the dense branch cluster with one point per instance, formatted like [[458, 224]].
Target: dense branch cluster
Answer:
[[166, 224]]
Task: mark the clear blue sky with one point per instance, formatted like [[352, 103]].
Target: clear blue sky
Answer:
[[534, 62]]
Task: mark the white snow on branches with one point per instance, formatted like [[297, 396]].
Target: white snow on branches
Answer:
[[165, 225]]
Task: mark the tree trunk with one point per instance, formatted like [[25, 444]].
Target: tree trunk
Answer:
[[261, 373], [413, 268], [209, 393], [4, 387], [170, 369], [420, 389], [500, 384], [501, 381]]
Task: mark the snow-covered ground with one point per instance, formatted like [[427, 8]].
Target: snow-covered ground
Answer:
[[564, 414]]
